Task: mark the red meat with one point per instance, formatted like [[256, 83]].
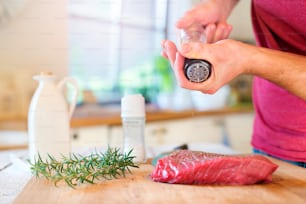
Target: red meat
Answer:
[[194, 167]]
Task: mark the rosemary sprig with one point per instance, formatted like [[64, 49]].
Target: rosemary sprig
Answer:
[[76, 169]]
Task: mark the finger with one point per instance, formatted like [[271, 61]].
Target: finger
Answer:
[[228, 31], [210, 32], [164, 54], [179, 64], [194, 50], [220, 30], [170, 50], [178, 69]]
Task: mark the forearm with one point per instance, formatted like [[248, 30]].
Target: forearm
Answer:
[[282, 68]]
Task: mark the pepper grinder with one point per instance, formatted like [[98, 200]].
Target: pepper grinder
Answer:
[[196, 70], [133, 121]]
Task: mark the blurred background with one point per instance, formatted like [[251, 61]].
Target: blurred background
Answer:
[[111, 47]]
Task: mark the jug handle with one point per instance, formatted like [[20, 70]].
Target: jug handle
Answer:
[[73, 82]]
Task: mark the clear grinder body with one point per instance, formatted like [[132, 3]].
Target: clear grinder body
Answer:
[[196, 70]]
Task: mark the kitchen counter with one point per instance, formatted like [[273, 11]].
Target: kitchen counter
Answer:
[[98, 123], [288, 186], [93, 115], [15, 174], [88, 116]]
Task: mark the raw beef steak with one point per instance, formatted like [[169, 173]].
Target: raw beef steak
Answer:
[[194, 167]]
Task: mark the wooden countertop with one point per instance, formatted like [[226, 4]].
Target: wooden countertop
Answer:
[[13, 169], [82, 118], [97, 115], [288, 186]]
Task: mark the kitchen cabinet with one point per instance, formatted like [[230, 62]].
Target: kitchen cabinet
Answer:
[[191, 130], [94, 136], [176, 132], [233, 130], [239, 129]]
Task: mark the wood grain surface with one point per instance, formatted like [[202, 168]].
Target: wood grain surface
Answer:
[[288, 186]]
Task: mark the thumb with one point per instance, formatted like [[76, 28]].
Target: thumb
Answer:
[[192, 50]]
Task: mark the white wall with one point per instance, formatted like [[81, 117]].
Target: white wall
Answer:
[[240, 19], [32, 41], [36, 40]]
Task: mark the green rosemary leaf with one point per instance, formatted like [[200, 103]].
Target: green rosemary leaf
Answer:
[[76, 169]]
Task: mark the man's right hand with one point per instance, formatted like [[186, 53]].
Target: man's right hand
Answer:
[[212, 15]]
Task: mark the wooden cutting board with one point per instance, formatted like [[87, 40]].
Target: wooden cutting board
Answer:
[[288, 186]]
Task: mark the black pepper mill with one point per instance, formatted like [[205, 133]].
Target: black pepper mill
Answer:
[[196, 70]]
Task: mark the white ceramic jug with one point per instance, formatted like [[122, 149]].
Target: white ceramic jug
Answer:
[[49, 117]]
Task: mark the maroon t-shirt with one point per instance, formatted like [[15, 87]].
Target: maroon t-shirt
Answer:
[[280, 119]]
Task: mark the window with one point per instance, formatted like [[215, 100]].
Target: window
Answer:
[[115, 46]]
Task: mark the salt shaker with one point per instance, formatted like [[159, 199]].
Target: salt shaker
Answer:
[[133, 121], [196, 70]]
